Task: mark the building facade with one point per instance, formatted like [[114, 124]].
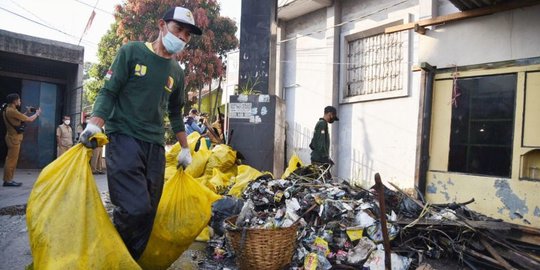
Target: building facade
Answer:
[[46, 74], [437, 94]]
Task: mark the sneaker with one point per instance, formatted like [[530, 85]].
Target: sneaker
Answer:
[[12, 184]]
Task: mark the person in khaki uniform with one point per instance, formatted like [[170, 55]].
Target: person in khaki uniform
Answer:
[[13, 120], [64, 136]]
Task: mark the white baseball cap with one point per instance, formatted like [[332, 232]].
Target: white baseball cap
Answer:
[[184, 16]]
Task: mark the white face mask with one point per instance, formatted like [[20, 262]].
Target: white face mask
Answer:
[[67, 122], [172, 43]]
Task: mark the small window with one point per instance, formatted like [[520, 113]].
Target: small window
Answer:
[[482, 125], [375, 65]]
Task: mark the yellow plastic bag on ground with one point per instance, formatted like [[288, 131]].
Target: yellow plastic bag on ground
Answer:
[[245, 175], [223, 157], [184, 211], [204, 236], [294, 163], [67, 224]]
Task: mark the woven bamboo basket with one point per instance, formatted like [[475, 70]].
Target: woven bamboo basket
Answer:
[[262, 249]]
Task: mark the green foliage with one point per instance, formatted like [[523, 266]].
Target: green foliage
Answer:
[[108, 46], [249, 87]]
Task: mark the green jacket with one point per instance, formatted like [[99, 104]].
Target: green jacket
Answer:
[[320, 143], [139, 88]]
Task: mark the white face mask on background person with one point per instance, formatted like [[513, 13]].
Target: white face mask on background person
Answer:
[[172, 43], [66, 122]]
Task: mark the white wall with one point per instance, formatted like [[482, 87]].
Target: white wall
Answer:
[[305, 71], [502, 36], [374, 136]]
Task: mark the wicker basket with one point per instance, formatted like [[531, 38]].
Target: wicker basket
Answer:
[[262, 249]]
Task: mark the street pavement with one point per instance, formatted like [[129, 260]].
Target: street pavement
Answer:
[[14, 245], [10, 196]]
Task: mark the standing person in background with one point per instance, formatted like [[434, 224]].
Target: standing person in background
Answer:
[[64, 136], [14, 122], [143, 83], [320, 143]]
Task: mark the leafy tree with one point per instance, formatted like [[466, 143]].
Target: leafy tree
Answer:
[[108, 46], [202, 58]]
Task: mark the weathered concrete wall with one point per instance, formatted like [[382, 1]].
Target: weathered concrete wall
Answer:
[[372, 136], [498, 37], [39, 47], [514, 201]]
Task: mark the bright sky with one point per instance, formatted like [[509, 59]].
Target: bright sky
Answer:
[[65, 20]]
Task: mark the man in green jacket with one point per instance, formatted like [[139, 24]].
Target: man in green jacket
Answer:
[[143, 83], [320, 143]]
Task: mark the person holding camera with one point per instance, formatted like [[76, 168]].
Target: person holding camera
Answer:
[[15, 123]]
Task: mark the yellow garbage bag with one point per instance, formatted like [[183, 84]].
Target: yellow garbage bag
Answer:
[[199, 157], [219, 181], [184, 211], [245, 175], [223, 157], [67, 223], [294, 163], [204, 236], [204, 181]]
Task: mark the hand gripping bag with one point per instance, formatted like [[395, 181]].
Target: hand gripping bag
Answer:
[[67, 224], [184, 211], [199, 154]]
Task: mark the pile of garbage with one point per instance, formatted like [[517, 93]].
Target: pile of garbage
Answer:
[[341, 226]]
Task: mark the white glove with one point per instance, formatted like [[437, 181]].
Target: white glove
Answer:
[[88, 132], [184, 157]]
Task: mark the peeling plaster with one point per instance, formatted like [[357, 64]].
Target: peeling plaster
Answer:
[[432, 188], [537, 212], [446, 196], [516, 207], [450, 182]]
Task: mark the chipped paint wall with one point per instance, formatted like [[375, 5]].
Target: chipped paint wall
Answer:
[[511, 200], [514, 199]]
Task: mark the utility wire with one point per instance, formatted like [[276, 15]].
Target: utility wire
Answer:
[[44, 25], [36, 22], [96, 8], [23, 8], [343, 23]]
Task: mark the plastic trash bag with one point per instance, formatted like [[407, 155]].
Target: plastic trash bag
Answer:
[[223, 157], [204, 236], [245, 175], [294, 163], [184, 211], [222, 209], [67, 223], [199, 154], [220, 181]]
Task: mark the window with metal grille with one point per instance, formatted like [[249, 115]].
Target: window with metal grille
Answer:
[[482, 127], [375, 65]]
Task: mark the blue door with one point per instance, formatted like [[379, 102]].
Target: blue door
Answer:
[[39, 144]]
